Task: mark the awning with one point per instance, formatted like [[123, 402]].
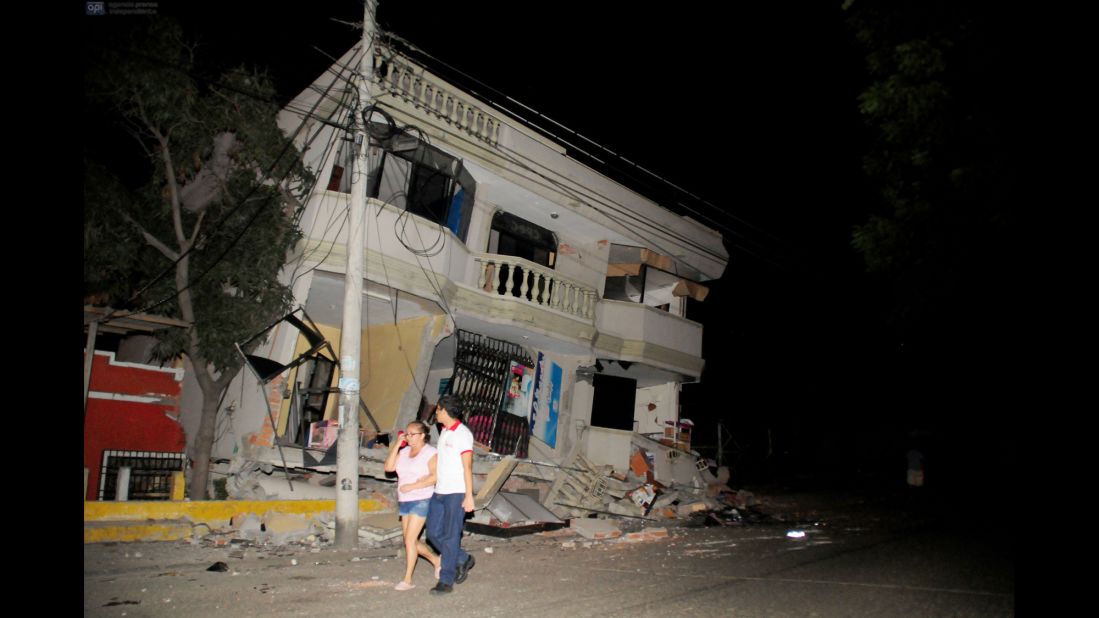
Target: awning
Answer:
[[125, 322]]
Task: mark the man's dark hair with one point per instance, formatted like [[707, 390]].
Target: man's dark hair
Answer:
[[453, 406]]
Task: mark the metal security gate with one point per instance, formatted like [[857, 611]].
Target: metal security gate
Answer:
[[482, 371], [150, 473]]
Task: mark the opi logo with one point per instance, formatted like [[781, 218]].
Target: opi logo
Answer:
[[96, 8]]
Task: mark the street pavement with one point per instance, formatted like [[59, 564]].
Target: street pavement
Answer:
[[860, 556]]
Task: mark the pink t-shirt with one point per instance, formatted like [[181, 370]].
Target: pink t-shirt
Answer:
[[411, 469]]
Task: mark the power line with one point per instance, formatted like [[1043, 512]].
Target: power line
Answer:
[[660, 228], [613, 154], [654, 225]]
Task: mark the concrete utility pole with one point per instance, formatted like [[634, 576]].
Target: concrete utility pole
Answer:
[[347, 444]]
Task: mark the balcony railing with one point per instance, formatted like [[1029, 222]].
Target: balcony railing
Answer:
[[411, 83], [512, 277]]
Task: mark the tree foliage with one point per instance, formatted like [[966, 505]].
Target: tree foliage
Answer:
[[197, 222], [938, 106]]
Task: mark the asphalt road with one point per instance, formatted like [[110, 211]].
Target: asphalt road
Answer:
[[859, 557]]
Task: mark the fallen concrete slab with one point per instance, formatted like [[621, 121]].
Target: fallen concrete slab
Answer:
[[595, 529]]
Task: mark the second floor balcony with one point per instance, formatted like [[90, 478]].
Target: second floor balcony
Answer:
[[500, 295]]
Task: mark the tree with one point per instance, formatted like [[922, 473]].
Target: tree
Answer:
[[202, 228], [947, 234]]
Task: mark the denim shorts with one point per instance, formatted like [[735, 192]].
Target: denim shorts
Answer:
[[415, 507]]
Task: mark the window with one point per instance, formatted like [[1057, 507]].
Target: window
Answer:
[[517, 237], [638, 275], [412, 176], [511, 235], [150, 473], [613, 402]]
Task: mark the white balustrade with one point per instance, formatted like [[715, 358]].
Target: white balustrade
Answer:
[[413, 84], [536, 285]]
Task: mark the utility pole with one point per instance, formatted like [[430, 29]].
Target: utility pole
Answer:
[[347, 444]]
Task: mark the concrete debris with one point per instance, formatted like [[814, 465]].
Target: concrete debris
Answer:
[[665, 498], [595, 529], [284, 528], [578, 490], [376, 537], [519, 508], [656, 483], [557, 533], [275, 528], [726, 517], [495, 481], [650, 534], [684, 510], [248, 526]]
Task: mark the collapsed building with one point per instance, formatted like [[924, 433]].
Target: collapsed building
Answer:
[[498, 268]]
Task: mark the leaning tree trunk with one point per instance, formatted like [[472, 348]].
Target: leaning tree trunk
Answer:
[[203, 445]]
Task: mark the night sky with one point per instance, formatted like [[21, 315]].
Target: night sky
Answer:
[[751, 107]]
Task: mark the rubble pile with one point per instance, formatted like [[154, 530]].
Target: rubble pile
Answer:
[[662, 483]]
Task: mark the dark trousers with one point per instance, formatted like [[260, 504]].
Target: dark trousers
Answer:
[[445, 520]]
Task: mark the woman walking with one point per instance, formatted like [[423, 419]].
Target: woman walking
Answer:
[[413, 459]]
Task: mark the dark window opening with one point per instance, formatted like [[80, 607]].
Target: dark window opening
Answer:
[[428, 193], [613, 402], [412, 176], [511, 235]]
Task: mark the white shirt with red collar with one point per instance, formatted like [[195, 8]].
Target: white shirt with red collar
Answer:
[[450, 473]]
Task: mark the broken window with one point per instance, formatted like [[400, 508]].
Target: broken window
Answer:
[[642, 276], [412, 176]]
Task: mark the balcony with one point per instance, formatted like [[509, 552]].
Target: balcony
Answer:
[[403, 79], [533, 284], [640, 333]]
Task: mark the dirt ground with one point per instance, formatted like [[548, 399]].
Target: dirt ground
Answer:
[[541, 574]]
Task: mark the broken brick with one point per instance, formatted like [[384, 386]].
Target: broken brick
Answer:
[[638, 464]]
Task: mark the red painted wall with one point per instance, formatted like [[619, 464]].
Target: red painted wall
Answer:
[[113, 424]]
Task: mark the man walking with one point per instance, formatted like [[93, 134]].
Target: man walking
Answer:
[[453, 494]]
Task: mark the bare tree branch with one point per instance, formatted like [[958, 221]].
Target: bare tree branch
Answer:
[[198, 226], [152, 240], [169, 171]]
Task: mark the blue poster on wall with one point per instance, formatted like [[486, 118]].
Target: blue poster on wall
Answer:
[[547, 401]]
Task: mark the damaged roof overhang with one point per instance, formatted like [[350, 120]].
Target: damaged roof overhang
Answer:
[[126, 322]]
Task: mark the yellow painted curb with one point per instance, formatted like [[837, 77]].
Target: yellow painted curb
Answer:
[[212, 512], [111, 521], [105, 532]]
